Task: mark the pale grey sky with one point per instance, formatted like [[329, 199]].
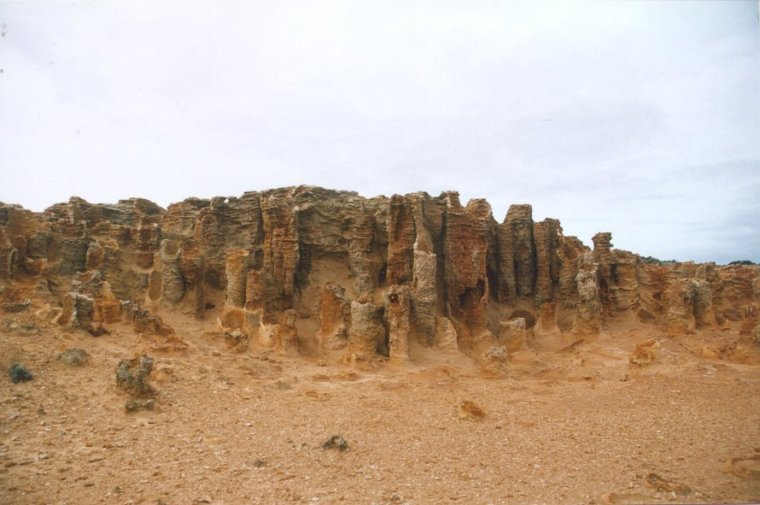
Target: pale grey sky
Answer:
[[639, 118]]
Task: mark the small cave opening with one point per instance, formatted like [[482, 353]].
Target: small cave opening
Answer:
[[256, 258], [155, 285], [471, 296], [493, 283], [382, 344], [171, 247], [11, 263], [215, 279], [530, 318], [382, 274]]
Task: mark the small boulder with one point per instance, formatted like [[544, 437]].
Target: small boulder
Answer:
[[747, 467], [493, 362], [512, 333], [133, 376], [646, 353], [470, 411], [136, 404], [659, 483], [97, 329], [74, 357], [236, 340]]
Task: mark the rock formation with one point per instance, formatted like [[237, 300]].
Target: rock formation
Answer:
[[305, 269]]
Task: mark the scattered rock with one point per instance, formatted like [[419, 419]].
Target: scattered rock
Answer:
[[19, 373], [97, 329], [512, 333], [74, 357], [135, 404], [133, 375], [445, 334], [317, 395], [17, 307], [259, 463], [151, 324], [748, 468], [756, 335], [335, 442], [529, 320], [661, 484], [709, 353], [283, 385], [494, 360], [236, 340], [624, 498], [646, 353], [20, 328], [469, 410]]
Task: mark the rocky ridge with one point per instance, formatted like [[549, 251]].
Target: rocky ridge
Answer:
[[312, 271]]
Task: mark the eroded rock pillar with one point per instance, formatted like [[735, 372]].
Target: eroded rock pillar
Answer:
[[520, 222], [237, 275], [589, 306], [173, 285], [397, 314], [424, 295], [367, 329], [334, 317]]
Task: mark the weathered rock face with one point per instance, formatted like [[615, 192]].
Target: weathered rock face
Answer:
[[512, 334], [306, 269], [589, 305], [465, 248], [603, 259], [237, 276], [281, 253], [425, 294], [334, 317], [366, 336], [548, 241], [398, 313]]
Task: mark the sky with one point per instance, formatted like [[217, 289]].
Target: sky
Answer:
[[638, 118]]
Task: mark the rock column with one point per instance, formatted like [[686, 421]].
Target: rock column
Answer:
[[171, 276], [366, 329], [397, 314], [237, 274]]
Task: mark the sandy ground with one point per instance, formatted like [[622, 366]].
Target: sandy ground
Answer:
[[579, 426]]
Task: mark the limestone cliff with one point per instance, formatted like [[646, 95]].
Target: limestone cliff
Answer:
[[307, 269]]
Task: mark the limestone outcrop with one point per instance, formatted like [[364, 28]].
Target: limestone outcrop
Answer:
[[311, 270]]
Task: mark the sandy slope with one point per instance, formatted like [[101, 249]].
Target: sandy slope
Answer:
[[579, 426]]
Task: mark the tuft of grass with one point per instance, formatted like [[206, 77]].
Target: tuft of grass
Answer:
[[335, 442], [19, 373]]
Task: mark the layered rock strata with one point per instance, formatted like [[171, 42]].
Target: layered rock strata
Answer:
[[306, 269]]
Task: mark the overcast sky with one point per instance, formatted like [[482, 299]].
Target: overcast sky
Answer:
[[642, 119]]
